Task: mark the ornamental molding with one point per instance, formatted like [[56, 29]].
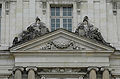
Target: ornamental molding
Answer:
[[62, 70], [106, 68], [18, 68], [31, 67], [93, 68], [61, 43]]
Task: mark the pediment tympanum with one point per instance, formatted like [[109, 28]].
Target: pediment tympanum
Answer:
[[60, 41]]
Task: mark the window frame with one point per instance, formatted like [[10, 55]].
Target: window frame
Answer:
[[61, 17]]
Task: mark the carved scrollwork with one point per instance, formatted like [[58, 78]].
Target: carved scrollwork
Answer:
[[61, 43]]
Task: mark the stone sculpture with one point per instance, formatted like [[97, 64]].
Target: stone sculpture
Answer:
[[34, 30], [38, 29], [86, 29]]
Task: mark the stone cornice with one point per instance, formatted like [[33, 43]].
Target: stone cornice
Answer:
[[80, 53], [108, 1]]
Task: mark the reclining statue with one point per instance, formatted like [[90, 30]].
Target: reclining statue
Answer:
[[34, 30], [89, 31]]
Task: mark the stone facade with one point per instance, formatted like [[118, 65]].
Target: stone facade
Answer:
[[70, 55], [21, 13]]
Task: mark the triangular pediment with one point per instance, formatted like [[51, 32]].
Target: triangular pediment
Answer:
[[60, 41]]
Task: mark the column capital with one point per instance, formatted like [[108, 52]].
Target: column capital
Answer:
[[42, 77], [18, 68], [81, 77], [104, 68], [31, 67], [95, 68]]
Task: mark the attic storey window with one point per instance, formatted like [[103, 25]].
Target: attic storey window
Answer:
[[61, 17]]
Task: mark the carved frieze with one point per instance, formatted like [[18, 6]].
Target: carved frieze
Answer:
[[61, 43], [62, 70]]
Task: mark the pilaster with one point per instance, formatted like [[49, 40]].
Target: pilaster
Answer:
[[32, 10], [103, 19], [19, 16], [90, 10]]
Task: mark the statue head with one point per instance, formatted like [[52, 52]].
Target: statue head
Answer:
[[86, 18], [85, 22], [38, 20]]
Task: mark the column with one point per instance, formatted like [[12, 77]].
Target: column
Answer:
[[81, 77], [31, 72], [43, 77], [92, 73], [105, 74], [18, 72]]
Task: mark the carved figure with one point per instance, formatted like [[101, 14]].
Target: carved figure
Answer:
[[83, 28], [15, 41], [34, 30], [88, 30]]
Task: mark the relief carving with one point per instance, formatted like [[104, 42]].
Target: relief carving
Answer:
[[61, 70], [61, 43]]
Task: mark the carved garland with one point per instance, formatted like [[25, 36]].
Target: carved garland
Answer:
[[59, 45]]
